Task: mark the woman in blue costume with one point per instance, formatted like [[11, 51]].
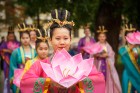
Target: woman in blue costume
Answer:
[[130, 57], [20, 55]]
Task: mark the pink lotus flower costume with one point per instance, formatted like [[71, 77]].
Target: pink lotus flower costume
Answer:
[[17, 77], [133, 38], [72, 70], [93, 48], [74, 73]]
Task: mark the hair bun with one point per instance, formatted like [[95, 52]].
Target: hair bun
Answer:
[[60, 14]]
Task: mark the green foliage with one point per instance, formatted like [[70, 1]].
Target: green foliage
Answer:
[[131, 9], [82, 11]]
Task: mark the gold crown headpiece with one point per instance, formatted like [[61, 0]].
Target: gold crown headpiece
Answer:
[[65, 22], [61, 23], [31, 28], [10, 29], [129, 29], [22, 27], [41, 37], [101, 29]]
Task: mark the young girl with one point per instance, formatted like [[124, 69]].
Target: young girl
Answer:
[[42, 47], [130, 57], [6, 49], [36, 81], [20, 55], [105, 63]]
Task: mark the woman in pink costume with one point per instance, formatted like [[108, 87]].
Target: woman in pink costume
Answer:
[[105, 63], [36, 81]]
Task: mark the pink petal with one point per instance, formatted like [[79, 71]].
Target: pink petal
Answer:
[[84, 68], [68, 81], [58, 73], [77, 58], [60, 58], [48, 70], [17, 77], [93, 48]]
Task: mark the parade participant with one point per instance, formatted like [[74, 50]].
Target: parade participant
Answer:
[[105, 63], [85, 41], [20, 55], [35, 80], [32, 35], [6, 49], [42, 48], [130, 57]]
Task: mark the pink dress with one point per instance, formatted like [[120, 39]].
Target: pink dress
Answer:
[[36, 81]]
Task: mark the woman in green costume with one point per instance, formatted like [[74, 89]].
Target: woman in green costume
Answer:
[[130, 57], [20, 55]]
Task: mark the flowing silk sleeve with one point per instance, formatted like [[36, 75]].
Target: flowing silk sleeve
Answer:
[[98, 81], [33, 80], [111, 54], [95, 83], [13, 64], [3, 46], [27, 66], [133, 73]]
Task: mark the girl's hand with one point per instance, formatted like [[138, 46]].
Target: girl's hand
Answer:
[[105, 55]]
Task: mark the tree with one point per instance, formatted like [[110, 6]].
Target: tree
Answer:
[[82, 11], [109, 15], [131, 10]]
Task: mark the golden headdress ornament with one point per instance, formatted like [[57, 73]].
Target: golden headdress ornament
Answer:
[[31, 28], [22, 27], [101, 29], [45, 38], [10, 29], [64, 22], [129, 29]]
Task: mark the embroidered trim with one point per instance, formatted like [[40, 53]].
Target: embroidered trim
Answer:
[[23, 56], [88, 85], [134, 62], [38, 85], [129, 87]]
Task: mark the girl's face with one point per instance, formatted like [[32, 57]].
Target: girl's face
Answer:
[[25, 39], [33, 35], [42, 50], [102, 37], [11, 37], [60, 39]]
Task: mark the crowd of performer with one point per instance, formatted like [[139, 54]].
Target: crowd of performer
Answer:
[[34, 46]]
